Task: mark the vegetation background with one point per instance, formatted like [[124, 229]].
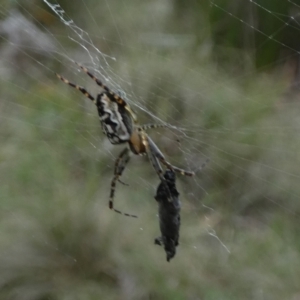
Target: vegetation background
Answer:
[[193, 64]]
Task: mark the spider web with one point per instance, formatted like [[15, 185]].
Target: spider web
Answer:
[[253, 152], [98, 62]]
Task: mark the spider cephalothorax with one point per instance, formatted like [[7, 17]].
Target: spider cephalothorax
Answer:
[[119, 123]]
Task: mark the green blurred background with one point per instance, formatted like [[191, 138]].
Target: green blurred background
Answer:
[[226, 72]]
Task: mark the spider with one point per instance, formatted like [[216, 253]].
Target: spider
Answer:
[[119, 123]]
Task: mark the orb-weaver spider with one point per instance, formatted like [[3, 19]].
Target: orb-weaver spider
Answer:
[[119, 123]]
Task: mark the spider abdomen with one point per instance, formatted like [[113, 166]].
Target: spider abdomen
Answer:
[[115, 120]]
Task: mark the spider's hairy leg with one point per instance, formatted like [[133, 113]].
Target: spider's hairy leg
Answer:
[[116, 97], [147, 142], [116, 171], [120, 165], [153, 126], [176, 169], [77, 87], [162, 159], [154, 161], [98, 81], [124, 183]]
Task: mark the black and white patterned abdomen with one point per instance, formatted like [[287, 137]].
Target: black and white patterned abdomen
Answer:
[[115, 121]]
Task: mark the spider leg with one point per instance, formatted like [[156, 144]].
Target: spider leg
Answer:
[[120, 165], [115, 96], [162, 159], [77, 87], [116, 167], [124, 183], [118, 99], [176, 169], [98, 81], [147, 142], [153, 159], [150, 126]]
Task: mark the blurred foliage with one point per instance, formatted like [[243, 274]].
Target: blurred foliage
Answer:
[[187, 62], [251, 26]]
